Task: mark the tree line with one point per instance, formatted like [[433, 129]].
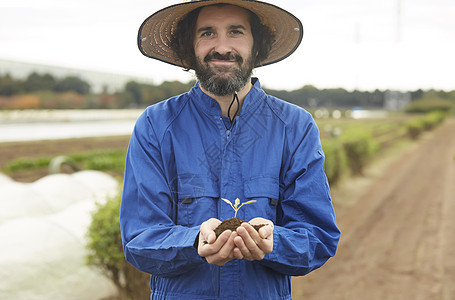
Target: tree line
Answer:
[[47, 91], [35, 82]]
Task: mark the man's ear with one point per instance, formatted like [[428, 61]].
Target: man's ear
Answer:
[[256, 58], [186, 66]]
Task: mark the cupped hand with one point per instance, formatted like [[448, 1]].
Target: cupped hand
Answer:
[[251, 244], [219, 250]]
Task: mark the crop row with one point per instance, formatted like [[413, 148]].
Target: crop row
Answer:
[[350, 145]]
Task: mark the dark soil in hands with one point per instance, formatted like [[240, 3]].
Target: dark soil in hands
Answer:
[[232, 224]]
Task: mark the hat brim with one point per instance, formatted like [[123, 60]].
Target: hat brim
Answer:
[[155, 33]]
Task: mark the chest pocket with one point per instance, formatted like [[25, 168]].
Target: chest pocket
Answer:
[[197, 199], [265, 190]]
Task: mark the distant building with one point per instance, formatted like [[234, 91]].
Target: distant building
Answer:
[[395, 100], [98, 80]]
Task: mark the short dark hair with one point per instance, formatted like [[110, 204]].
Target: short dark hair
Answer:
[[183, 38]]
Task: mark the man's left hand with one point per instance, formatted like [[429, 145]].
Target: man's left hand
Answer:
[[251, 244]]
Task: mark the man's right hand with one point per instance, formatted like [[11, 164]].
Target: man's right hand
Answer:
[[219, 250]]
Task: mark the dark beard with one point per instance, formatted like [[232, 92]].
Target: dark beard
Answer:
[[226, 82]]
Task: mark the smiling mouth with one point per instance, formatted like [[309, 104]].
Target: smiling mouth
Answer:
[[222, 62], [223, 66], [227, 58]]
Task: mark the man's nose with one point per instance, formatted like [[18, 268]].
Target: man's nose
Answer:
[[223, 45]]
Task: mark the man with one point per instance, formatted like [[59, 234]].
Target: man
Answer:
[[225, 138]]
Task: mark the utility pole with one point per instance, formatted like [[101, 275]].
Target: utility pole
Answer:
[[357, 42], [398, 28]]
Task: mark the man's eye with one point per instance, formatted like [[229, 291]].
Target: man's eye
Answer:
[[236, 32], [207, 34]]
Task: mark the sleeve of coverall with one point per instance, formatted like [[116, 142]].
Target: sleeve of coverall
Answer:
[[151, 240], [306, 234]]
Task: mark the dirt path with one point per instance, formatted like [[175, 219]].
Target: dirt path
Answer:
[[398, 237]]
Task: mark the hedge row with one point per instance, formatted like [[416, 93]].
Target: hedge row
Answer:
[[349, 152], [353, 149], [416, 127]]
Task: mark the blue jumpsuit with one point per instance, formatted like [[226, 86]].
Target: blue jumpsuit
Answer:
[[184, 156]]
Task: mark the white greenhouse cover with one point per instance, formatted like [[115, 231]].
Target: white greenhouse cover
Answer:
[[43, 228]]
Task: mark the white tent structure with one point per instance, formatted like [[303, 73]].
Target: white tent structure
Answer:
[[43, 229]]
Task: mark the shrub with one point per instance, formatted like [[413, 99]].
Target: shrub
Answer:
[[415, 128], [106, 252], [359, 146], [335, 159]]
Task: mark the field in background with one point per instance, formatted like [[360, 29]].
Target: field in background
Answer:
[[349, 145]]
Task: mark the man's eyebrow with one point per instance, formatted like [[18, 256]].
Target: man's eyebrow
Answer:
[[202, 29], [237, 27], [209, 28]]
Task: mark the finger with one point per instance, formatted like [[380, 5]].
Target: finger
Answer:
[[207, 249], [207, 233], [252, 234], [265, 241], [211, 238], [226, 250], [237, 253], [207, 238], [257, 246], [251, 239], [241, 247], [225, 254], [265, 231]]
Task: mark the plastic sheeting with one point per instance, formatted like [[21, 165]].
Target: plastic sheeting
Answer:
[[43, 229]]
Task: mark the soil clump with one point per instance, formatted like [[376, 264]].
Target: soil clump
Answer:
[[232, 224]]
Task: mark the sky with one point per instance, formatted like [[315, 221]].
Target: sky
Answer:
[[352, 44]]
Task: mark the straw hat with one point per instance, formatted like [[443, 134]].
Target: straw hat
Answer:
[[155, 32]]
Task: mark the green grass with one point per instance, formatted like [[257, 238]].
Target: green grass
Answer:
[[102, 160]]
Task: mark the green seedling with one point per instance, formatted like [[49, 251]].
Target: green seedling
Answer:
[[236, 206]]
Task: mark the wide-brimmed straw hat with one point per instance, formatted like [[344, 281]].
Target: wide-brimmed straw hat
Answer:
[[154, 37]]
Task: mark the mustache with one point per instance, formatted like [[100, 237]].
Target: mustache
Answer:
[[227, 56]]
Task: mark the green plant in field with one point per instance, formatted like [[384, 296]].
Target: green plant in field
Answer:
[[415, 127], [113, 160], [236, 206], [358, 146], [335, 159], [105, 244], [105, 251], [26, 164]]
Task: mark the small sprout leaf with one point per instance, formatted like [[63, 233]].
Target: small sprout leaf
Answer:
[[237, 203], [228, 202], [248, 202]]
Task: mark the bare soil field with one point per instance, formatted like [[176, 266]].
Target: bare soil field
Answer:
[[397, 222], [50, 148], [398, 230]]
